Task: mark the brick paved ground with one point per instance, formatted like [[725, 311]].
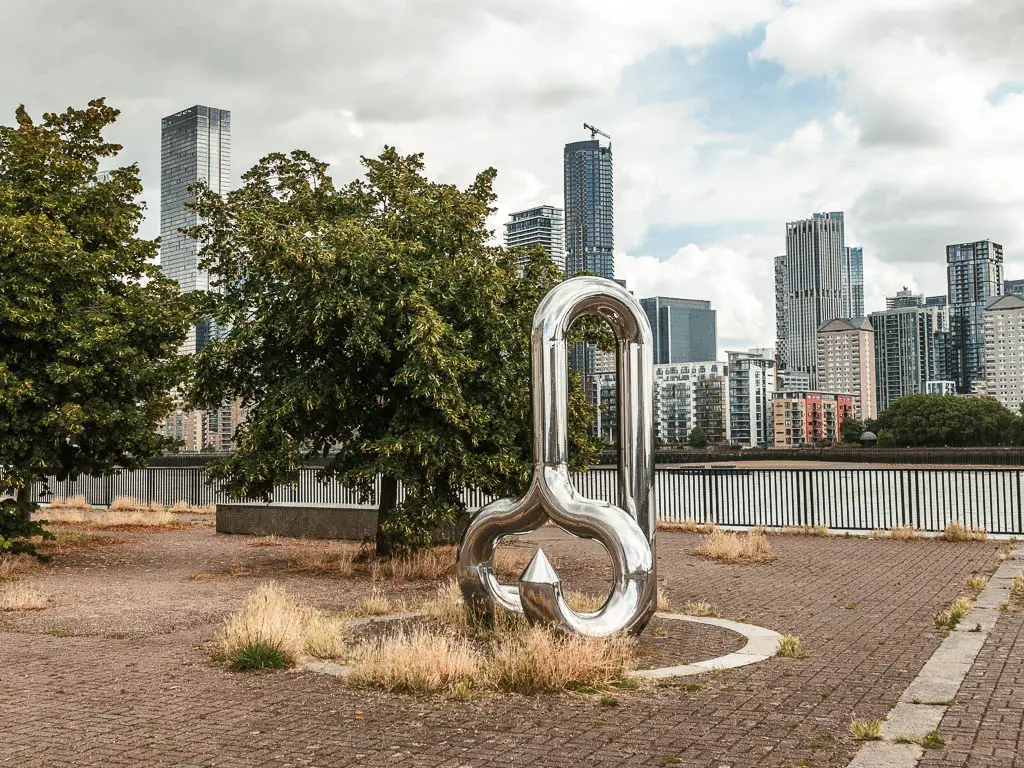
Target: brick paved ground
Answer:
[[985, 725], [115, 672]]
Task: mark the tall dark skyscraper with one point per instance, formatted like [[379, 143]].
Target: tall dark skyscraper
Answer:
[[685, 330], [589, 209], [974, 273], [195, 146]]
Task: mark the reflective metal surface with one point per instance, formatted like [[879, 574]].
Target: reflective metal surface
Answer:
[[626, 532]]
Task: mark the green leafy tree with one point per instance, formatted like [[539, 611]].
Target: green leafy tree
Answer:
[[698, 438], [948, 420], [89, 330], [851, 430], [373, 328]]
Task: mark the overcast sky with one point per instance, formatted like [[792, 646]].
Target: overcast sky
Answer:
[[728, 118]]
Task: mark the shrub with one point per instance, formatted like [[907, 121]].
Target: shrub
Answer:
[[271, 620], [733, 548]]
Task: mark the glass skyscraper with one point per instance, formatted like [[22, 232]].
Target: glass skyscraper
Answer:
[[855, 269], [974, 272], [195, 146], [685, 330], [589, 212]]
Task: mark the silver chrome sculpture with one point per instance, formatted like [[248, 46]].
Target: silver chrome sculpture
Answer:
[[626, 532]]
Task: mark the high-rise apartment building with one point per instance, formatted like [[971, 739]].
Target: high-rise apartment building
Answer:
[[195, 148], [543, 226], [781, 311], [805, 418], [589, 209], [751, 387], [846, 362], [855, 267], [815, 289], [974, 273], [711, 408], [907, 354], [1004, 350], [675, 400], [1013, 287], [684, 330]]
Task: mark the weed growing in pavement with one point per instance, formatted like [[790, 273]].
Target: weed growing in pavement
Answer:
[[950, 616], [976, 582], [932, 740], [792, 647], [699, 608], [20, 597], [957, 531], [735, 548], [1017, 590], [869, 730]]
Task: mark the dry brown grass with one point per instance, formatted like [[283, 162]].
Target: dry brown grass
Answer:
[[266, 541], [183, 508], [899, 533], [424, 564], [379, 604], [417, 661], [584, 602], [66, 542], [20, 597], [1017, 590], [13, 566], [686, 526], [326, 559], [70, 502], [1006, 551], [736, 548], [956, 531], [805, 530], [540, 659], [447, 608], [510, 562], [699, 608], [270, 618], [326, 636], [950, 616]]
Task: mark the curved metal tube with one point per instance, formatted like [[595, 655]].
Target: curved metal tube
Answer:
[[626, 532]]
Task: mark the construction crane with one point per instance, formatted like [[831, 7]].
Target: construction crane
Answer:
[[594, 131]]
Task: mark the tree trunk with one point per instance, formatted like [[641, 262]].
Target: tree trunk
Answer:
[[387, 503], [24, 502]]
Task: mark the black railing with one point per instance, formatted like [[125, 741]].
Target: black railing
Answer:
[[852, 499]]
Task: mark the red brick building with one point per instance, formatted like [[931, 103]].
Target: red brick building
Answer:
[[808, 418]]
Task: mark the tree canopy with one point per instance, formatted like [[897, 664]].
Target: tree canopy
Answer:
[[89, 329], [372, 327], [941, 420]]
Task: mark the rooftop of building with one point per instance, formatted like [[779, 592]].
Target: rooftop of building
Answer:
[[1006, 302], [843, 324]]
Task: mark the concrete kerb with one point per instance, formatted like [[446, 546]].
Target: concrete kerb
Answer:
[[925, 701], [761, 645]]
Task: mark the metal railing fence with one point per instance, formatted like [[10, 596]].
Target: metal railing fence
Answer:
[[853, 499]]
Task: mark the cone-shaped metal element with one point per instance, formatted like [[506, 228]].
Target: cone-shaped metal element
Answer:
[[539, 571]]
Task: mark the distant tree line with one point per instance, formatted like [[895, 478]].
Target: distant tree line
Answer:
[[920, 421]]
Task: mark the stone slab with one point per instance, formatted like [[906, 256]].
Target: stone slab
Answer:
[[882, 754], [912, 721], [300, 521]]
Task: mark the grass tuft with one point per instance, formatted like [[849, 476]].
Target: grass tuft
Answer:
[[899, 533], [326, 559], [950, 616], [325, 636], [424, 564], [379, 604], [19, 597], [932, 740], [869, 730], [1017, 590], [792, 647], [270, 618], [976, 582], [699, 608], [957, 531], [735, 548], [806, 530], [258, 655]]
